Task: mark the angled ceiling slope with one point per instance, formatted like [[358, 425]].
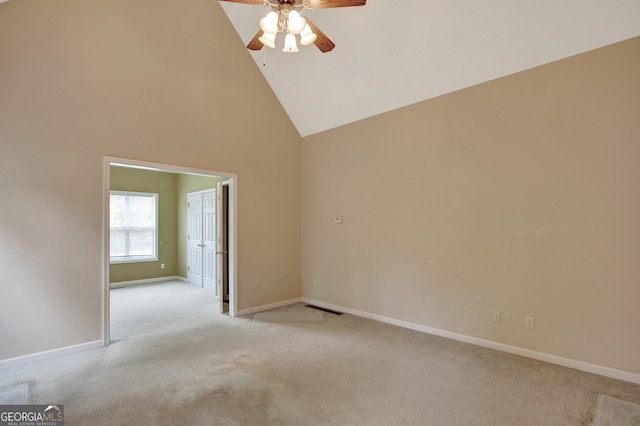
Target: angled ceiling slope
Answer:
[[390, 54]]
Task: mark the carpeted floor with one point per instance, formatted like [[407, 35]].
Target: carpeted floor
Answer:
[[173, 361], [611, 411]]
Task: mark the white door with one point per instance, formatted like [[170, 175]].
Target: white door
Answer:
[[209, 224], [201, 239], [194, 239]]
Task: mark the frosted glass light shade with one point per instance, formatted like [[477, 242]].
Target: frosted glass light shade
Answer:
[[290, 44], [269, 24], [268, 40], [295, 22], [307, 36]]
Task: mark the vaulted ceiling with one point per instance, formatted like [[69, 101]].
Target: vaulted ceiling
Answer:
[[390, 54]]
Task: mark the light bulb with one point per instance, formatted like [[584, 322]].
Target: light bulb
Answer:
[[295, 22], [290, 44], [269, 24], [268, 40], [307, 36]]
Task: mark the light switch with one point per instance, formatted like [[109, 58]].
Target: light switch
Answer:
[[337, 220]]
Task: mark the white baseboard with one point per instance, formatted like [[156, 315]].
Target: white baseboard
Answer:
[[253, 310], [146, 281], [21, 360], [540, 356]]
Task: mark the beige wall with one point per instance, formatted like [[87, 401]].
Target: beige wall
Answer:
[[519, 195], [185, 185], [162, 81], [165, 185]]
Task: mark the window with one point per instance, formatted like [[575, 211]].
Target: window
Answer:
[[133, 223]]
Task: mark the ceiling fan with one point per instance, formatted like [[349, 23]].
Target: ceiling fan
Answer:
[[285, 16]]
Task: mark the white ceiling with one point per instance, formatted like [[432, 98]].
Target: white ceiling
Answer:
[[390, 54]]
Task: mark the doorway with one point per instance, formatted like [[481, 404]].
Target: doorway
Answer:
[[230, 183], [223, 243]]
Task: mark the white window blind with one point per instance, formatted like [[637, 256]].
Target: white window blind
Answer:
[[133, 222]]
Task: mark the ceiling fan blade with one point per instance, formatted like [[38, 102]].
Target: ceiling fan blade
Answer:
[[255, 44], [325, 4], [255, 2], [322, 42]]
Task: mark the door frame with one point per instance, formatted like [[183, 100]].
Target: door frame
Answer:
[[232, 178], [222, 262]]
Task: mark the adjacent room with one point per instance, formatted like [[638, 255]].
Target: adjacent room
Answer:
[[433, 211]]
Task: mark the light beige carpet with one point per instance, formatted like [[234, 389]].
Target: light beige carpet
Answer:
[[174, 361], [14, 394], [615, 412]]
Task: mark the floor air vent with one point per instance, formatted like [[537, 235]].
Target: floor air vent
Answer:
[[324, 309]]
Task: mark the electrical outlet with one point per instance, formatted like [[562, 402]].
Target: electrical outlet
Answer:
[[530, 322], [337, 220], [497, 316], [162, 266]]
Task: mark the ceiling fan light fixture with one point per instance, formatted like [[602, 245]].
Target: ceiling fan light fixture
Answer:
[[290, 44], [285, 18], [307, 36], [269, 24], [268, 40], [295, 22]]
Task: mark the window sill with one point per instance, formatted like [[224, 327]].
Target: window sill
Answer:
[[118, 261]]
